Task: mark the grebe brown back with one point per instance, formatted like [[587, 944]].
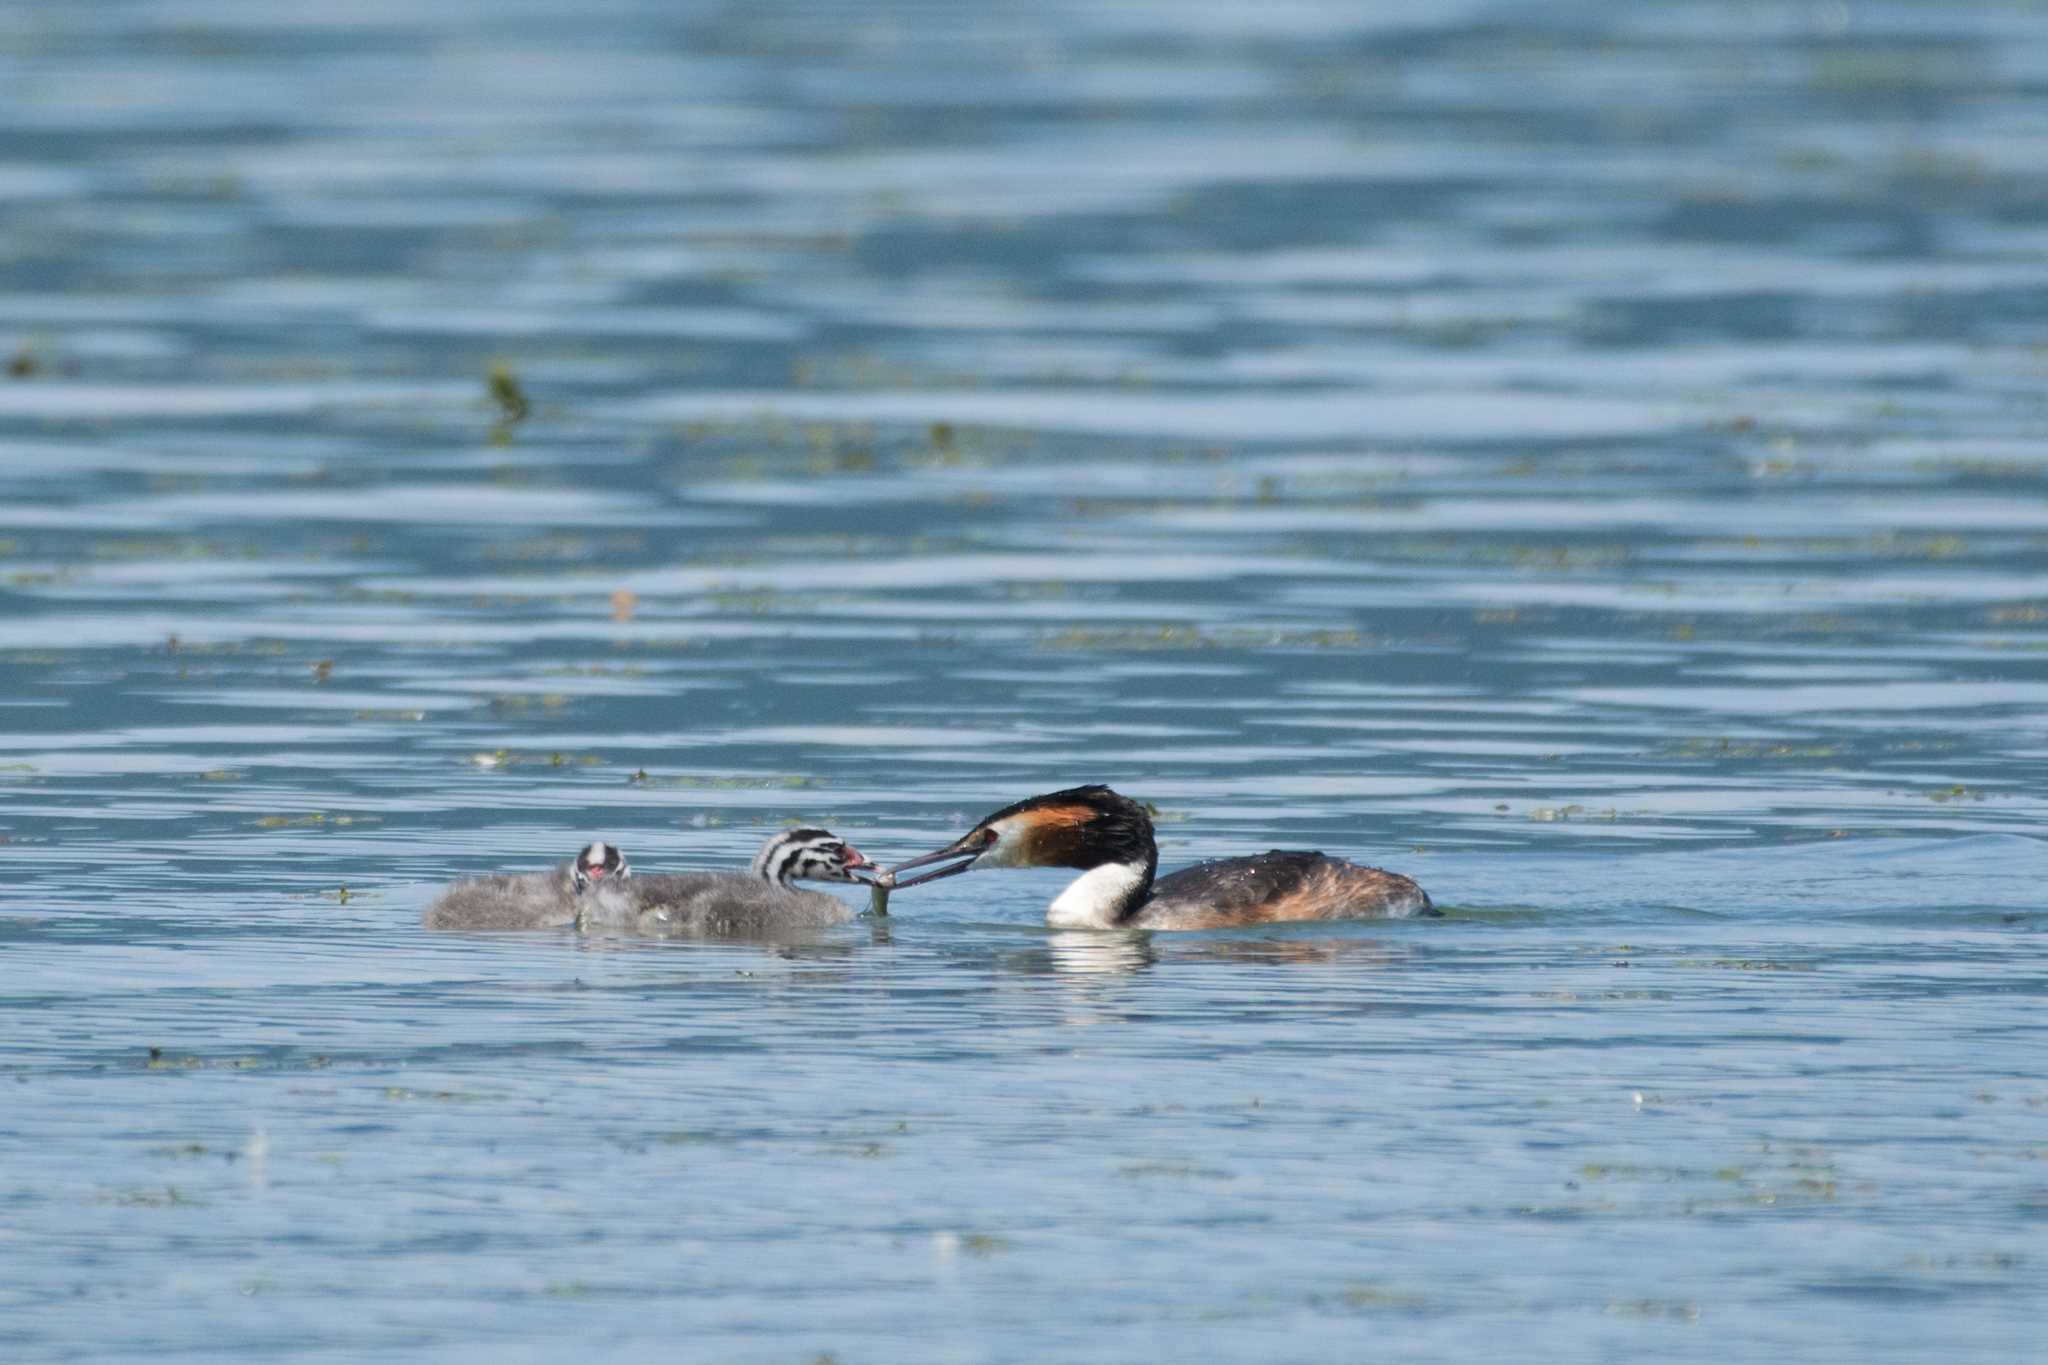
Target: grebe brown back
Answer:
[[763, 900], [1109, 838], [553, 899]]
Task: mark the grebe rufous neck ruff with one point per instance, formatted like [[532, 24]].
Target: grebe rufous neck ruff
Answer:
[[532, 900], [1109, 838], [762, 900]]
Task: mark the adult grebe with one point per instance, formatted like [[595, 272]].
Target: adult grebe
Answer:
[[1109, 837], [532, 900], [762, 900]]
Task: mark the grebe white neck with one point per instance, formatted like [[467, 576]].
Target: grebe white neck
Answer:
[[1099, 898]]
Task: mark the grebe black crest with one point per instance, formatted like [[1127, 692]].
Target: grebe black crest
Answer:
[[761, 902], [562, 896], [1108, 838]]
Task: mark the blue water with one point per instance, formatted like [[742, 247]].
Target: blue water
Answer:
[[1593, 459]]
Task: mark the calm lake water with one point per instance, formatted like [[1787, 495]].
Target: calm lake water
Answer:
[[1591, 458]]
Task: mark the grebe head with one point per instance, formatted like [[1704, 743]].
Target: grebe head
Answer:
[[598, 862], [812, 855], [1081, 827]]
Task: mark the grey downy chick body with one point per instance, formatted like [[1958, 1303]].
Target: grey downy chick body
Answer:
[[591, 882], [760, 902]]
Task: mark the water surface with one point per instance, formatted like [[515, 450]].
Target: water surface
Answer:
[[1588, 458]]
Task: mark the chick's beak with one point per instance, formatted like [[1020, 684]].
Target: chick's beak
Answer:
[[858, 863], [963, 849]]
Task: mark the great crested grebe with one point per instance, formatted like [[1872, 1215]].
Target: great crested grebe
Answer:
[[532, 900], [761, 900], [1109, 838]]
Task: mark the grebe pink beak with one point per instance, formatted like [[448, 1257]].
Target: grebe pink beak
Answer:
[[967, 849]]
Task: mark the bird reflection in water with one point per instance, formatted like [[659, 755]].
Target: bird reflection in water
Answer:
[[1087, 953], [1291, 952]]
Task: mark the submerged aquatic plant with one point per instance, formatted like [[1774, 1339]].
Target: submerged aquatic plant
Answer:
[[509, 396]]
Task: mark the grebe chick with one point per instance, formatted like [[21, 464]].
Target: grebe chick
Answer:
[[553, 899], [1109, 838], [763, 900]]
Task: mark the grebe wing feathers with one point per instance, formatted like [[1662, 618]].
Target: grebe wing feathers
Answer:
[[1277, 886]]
